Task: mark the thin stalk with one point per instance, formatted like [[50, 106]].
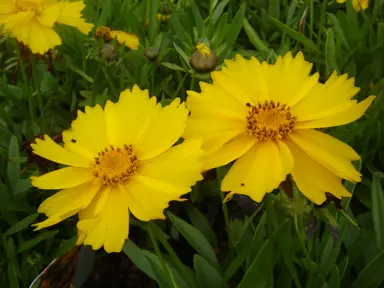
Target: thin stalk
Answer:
[[110, 83], [36, 82]]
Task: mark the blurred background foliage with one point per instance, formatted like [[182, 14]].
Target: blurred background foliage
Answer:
[[283, 242]]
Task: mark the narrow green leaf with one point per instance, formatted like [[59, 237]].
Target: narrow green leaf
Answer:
[[81, 73], [21, 225], [36, 240], [274, 8], [334, 280], [137, 256], [13, 167], [259, 44], [178, 28], [378, 209], [12, 278], [372, 274], [207, 275], [195, 238], [183, 55], [200, 222], [153, 24], [219, 11], [198, 18], [173, 66], [330, 54], [259, 272], [293, 34]]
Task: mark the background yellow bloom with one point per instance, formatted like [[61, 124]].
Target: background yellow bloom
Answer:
[[264, 116], [120, 159], [357, 4], [32, 21]]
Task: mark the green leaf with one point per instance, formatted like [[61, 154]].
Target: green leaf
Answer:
[[293, 34], [13, 168], [21, 225], [12, 277], [259, 272], [200, 222], [330, 54], [378, 209], [334, 280], [195, 238], [219, 11], [372, 274], [183, 55], [81, 73], [173, 66], [259, 44], [36, 240], [198, 18], [153, 24], [206, 274], [137, 256]]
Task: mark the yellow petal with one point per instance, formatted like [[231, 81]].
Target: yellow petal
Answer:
[[88, 132], [7, 7], [288, 79], [333, 155], [50, 150], [327, 99], [128, 119], [49, 16], [360, 4], [228, 152], [312, 179], [71, 199], [165, 128], [19, 20], [259, 171], [347, 116], [63, 178], [97, 205], [140, 189], [179, 165], [70, 14], [128, 39], [110, 228]]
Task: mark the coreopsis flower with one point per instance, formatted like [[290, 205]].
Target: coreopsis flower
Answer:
[[31, 21], [130, 40], [119, 159], [357, 4], [264, 116]]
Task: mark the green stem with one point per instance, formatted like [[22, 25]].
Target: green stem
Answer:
[[36, 81], [159, 255], [111, 86], [210, 18], [26, 89], [311, 18]]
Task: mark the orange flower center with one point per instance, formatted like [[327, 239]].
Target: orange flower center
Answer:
[[103, 32], [29, 5], [115, 165], [269, 121]]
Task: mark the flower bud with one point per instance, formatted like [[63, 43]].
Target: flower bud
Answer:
[[109, 52], [203, 59], [103, 32], [151, 53]]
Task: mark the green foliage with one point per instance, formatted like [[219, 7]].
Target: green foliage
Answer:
[[283, 242]]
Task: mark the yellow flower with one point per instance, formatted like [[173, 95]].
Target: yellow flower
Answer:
[[264, 116], [128, 39], [31, 21], [120, 159], [357, 4]]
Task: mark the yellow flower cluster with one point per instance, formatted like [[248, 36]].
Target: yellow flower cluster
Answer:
[[357, 4]]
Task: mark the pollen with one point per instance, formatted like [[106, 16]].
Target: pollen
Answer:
[[103, 32], [115, 165], [269, 121], [204, 49]]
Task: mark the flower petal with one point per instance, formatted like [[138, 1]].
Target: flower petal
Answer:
[[128, 39], [259, 171], [331, 153], [70, 14], [128, 119], [230, 151], [165, 128], [49, 15], [52, 151], [347, 116], [97, 205], [327, 99], [66, 203], [88, 131], [110, 228], [63, 178], [312, 179], [148, 197], [179, 165]]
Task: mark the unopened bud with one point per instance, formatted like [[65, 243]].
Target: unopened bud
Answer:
[[109, 52], [203, 59], [151, 53]]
